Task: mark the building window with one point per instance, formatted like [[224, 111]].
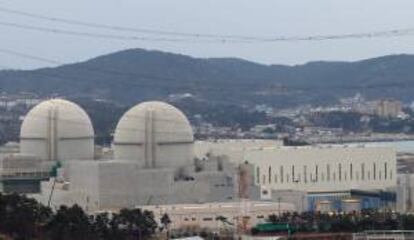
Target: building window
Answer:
[[362, 171], [316, 173], [340, 172], [385, 171], [207, 219], [258, 175], [374, 168], [305, 174], [328, 172], [270, 174], [293, 173], [351, 172], [281, 174]]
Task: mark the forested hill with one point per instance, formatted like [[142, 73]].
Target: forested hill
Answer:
[[136, 74]]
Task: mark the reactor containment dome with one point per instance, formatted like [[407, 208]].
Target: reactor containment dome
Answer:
[[57, 130], [156, 135]]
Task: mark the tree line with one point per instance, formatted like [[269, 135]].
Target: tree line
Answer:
[[25, 218]]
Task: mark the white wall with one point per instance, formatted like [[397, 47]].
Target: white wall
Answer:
[[317, 169], [231, 147]]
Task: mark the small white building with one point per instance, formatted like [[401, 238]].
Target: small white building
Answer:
[[218, 215]]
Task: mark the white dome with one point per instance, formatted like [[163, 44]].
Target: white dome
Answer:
[[57, 130], [155, 134]]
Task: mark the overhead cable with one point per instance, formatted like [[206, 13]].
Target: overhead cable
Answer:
[[186, 37]]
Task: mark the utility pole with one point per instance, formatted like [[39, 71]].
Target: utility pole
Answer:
[[278, 202], [243, 196]]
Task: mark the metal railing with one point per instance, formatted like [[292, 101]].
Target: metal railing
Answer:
[[384, 235]]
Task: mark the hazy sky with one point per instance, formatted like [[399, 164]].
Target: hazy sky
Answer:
[[242, 17]]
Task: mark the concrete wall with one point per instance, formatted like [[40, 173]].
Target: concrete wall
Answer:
[[205, 215], [324, 169], [98, 185], [297, 198], [125, 185], [405, 193], [232, 147]]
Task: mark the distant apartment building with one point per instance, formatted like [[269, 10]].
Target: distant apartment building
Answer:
[[388, 108]]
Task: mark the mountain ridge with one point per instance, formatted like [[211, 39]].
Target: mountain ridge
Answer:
[[137, 74]]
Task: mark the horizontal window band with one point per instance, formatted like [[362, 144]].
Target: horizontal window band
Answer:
[[158, 143], [65, 138]]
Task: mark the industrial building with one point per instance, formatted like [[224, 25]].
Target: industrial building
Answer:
[[405, 193], [157, 162], [153, 164], [57, 130], [216, 215], [327, 174], [53, 131]]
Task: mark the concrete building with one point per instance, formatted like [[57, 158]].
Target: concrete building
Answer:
[[153, 164], [53, 131], [316, 168], [217, 215], [405, 193], [114, 184], [388, 108], [232, 148], [156, 162], [57, 130], [154, 134], [351, 200], [327, 174], [22, 173], [324, 169]]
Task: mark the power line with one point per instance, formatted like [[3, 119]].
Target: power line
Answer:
[[24, 55], [93, 35], [367, 35], [187, 37], [122, 28]]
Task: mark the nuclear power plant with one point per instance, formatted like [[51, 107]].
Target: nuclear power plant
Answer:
[[157, 162], [155, 135], [57, 131]]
